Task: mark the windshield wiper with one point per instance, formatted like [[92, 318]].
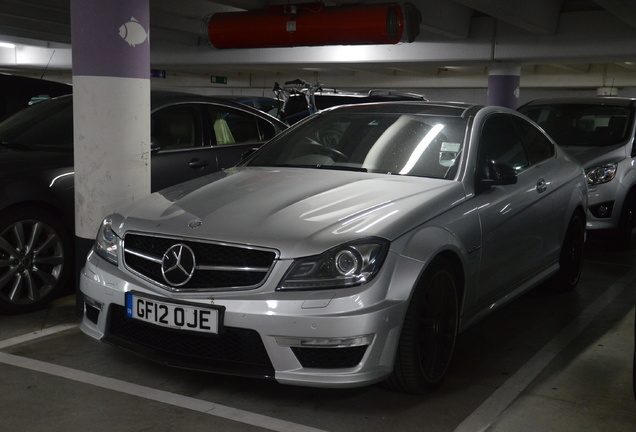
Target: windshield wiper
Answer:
[[329, 167], [341, 168]]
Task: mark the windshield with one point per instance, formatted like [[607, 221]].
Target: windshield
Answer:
[[582, 124], [45, 126], [415, 145]]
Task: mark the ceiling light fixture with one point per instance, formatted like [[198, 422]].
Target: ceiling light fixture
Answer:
[[7, 45]]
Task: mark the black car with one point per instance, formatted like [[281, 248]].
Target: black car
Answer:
[[18, 92], [269, 105], [191, 136]]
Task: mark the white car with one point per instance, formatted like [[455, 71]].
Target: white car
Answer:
[[351, 249], [599, 133]]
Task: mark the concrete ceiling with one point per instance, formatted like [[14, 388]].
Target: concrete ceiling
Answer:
[[568, 43]]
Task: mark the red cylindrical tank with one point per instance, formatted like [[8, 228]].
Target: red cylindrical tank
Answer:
[[310, 24]]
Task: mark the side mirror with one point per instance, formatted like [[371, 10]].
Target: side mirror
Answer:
[[499, 174], [154, 144], [248, 153]]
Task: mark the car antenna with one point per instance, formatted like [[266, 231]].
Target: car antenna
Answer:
[[46, 68]]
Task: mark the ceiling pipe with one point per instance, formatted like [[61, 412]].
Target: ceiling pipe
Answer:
[[314, 24]]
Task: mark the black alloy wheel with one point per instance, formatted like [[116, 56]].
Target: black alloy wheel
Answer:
[[429, 332], [35, 256]]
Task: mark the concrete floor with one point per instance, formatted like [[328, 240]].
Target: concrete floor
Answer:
[[546, 362]]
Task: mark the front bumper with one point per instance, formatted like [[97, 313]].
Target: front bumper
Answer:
[[339, 338], [605, 204]]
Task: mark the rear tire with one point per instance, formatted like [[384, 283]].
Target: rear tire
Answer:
[[429, 332]]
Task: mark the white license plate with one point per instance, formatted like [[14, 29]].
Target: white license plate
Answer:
[[177, 316]]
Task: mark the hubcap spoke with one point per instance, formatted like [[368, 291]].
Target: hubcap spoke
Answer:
[[16, 288], [10, 274], [48, 279], [36, 232], [7, 247], [48, 260], [50, 241], [18, 231], [33, 292]]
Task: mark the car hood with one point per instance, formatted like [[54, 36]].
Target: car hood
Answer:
[[297, 211], [14, 162], [590, 157]]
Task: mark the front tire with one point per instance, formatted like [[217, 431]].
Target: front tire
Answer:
[[35, 259], [429, 332]]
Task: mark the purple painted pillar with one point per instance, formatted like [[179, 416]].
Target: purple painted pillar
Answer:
[[111, 110], [503, 85]]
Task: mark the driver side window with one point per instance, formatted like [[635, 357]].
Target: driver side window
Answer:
[[501, 143], [538, 146]]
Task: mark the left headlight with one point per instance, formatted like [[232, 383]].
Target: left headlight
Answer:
[[601, 174], [346, 265], [106, 242]]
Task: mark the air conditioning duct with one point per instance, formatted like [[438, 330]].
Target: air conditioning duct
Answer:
[[314, 24]]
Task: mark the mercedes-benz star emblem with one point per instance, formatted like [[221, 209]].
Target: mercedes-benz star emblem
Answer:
[[178, 265]]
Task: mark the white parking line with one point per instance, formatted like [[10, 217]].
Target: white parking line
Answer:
[[174, 399], [35, 335], [149, 393], [493, 407], [479, 421]]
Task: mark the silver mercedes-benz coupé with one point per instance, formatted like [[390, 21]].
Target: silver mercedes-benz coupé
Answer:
[[351, 249]]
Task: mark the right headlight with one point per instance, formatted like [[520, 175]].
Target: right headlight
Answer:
[[346, 265], [106, 242], [601, 174]]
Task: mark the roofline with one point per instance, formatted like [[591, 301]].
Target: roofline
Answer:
[[592, 100]]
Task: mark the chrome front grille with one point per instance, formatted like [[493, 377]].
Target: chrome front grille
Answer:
[[185, 264]]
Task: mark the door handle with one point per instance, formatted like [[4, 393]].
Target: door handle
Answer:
[[542, 185], [198, 163]]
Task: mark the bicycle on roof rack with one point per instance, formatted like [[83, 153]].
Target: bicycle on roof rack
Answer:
[[301, 87], [299, 99]]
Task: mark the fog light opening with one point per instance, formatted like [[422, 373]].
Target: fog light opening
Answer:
[[345, 342], [93, 303], [92, 309], [602, 210]]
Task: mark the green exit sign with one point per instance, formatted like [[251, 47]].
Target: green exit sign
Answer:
[[218, 79]]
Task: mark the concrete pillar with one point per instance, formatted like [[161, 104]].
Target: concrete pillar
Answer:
[[503, 85], [111, 110]]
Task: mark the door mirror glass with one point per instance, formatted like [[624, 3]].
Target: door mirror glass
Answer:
[[499, 174]]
